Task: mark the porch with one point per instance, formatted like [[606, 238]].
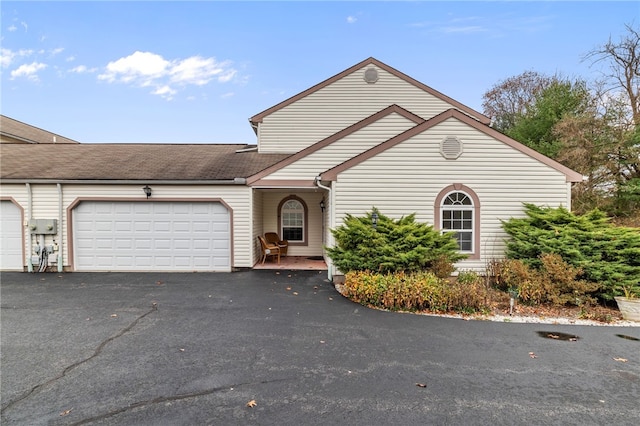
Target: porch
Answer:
[[307, 263]]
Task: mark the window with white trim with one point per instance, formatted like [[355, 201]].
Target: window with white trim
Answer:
[[292, 219], [457, 217]]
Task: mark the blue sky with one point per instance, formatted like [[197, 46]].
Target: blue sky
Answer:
[[194, 72]]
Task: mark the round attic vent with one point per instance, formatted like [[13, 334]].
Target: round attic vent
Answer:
[[371, 75], [451, 147]]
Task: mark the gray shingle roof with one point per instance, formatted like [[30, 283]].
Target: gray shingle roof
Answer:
[[130, 162], [14, 131]]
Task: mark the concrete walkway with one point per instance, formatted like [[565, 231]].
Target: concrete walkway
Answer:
[[194, 349]]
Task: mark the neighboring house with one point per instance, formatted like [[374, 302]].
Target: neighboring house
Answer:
[[14, 131], [368, 136]]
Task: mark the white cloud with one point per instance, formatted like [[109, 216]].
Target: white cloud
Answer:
[[228, 95], [140, 67], [351, 19], [165, 91], [146, 69], [12, 28], [82, 69], [29, 71], [468, 29], [197, 70], [57, 51], [7, 56], [24, 25]]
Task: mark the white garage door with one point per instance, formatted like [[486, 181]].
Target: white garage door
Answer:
[[151, 236], [10, 237]]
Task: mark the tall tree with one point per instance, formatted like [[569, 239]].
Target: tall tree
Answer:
[[527, 107], [561, 99], [621, 107], [623, 62], [511, 98]]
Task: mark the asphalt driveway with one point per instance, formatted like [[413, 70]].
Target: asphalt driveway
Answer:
[[194, 349]]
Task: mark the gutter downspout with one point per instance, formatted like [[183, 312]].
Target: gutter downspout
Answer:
[[60, 266], [30, 216], [331, 208]]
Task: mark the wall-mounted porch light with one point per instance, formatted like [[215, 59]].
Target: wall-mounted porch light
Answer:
[[374, 220], [147, 191], [322, 205]]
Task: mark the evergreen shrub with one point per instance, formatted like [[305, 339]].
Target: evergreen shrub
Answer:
[[392, 246], [607, 255]]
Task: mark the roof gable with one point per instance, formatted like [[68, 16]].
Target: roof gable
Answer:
[[369, 61], [332, 174], [14, 131], [336, 136]]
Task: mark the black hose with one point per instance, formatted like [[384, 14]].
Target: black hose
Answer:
[[44, 259]]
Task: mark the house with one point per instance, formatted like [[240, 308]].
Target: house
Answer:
[[368, 136]]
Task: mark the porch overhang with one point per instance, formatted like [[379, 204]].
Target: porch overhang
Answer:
[[283, 184]]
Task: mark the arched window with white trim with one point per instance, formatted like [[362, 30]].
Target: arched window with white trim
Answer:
[[457, 217], [293, 220], [457, 210]]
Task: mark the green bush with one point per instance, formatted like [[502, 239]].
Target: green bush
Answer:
[[415, 292], [391, 246], [606, 254]]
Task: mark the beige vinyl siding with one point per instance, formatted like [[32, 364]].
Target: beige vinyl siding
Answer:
[[338, 106], [343, 149], [257, 208], [271, 200], [45, 206], [414, 172]]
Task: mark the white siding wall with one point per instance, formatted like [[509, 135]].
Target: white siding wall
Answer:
[[407, 178], [343, 149], [314, 220], [339, 105], [257, 208], [45, 206]]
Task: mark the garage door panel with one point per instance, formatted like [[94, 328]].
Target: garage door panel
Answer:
[[105, 209], [220, 245], [123, 226], [163, 262], [161, 225], [143, 244], [182, 244], [201, 226], [144, 262], [202, 245], [151, 236], [182, 226], [123, 244], [141, 227]]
